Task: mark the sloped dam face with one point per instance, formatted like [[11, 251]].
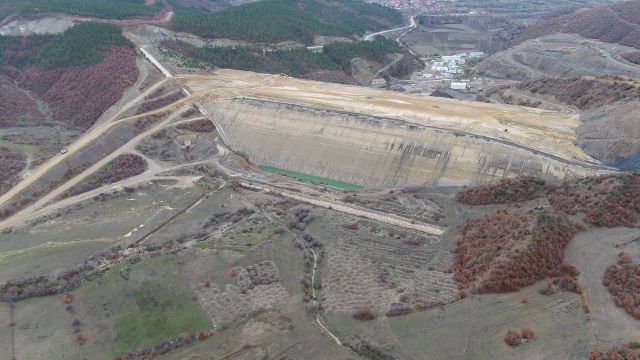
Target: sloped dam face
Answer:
[[374, 151]]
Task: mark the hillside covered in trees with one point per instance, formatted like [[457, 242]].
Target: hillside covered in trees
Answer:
[[78, 74], [334, 64], [271, 21], [111, 9], [512, 248], [83, 44]]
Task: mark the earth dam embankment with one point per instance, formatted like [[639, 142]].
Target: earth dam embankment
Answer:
[[374, 151]]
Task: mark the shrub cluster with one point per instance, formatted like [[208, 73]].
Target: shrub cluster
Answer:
[[122, 167], [67, 281], [398, 309], [584, 93], [146, 122], [624, 352], [78, 73], [505, 252], [623, 282], [200, 126], [301, 217], [608, 200], [370, 351], [231, 216], [165, 346], [364, 312], [514, 338], [633, 57], [505, 191], [79, 95], [160, 102], [79, 336]]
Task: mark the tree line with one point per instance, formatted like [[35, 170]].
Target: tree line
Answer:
[[111, 9], [297, 62], [82, 44], [272, 21]]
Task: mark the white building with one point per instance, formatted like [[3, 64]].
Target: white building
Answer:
[[459, 85], [449, 58]]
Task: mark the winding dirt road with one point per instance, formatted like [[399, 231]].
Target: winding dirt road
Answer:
[[81, 142]]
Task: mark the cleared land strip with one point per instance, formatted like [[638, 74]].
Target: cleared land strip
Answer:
[[396, 221]]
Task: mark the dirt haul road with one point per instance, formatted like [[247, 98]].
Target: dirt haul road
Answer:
[[80, 143]]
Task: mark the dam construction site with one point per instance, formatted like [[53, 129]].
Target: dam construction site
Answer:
[[238, 215], [376, 138], [319, 180]]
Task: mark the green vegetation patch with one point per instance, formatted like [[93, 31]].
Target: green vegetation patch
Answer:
[[271, 21], [82, 44], [310, 178], [297, 62], [146, 303], [162, 313], [106, 9], [243, 237], [343, 52], [7, 42]]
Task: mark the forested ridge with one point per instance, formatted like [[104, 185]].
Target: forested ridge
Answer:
[[78, 73], [106, 9], [343, 52], [271, 21], [298, 62], [82, 44]]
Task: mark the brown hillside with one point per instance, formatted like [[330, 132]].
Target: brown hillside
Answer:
[[15, 106], [616, 23], [633, 57], [509, 249], [79, 95], [584, 93], [608, 109]]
